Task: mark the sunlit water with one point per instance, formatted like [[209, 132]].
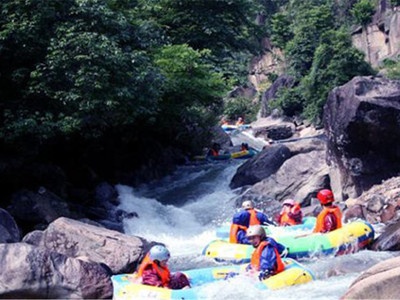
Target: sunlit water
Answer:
[[183, 210]]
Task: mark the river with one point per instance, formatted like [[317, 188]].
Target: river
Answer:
[[184, 209]]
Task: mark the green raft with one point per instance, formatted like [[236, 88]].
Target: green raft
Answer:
[[350, 238]]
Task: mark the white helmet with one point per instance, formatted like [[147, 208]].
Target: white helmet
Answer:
[[256, 230], [159, 252], [247, 204]]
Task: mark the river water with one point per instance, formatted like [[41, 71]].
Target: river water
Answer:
[[184, 209]]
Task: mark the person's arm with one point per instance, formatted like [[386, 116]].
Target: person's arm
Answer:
[[241, 237], [264, 219], [268, 260], [330, 223], [150, 277]]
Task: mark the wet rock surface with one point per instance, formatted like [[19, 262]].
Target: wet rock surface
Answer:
[[261, 166], [32, 272], [378, 282], [120, 252], [9, 231], [361, 121]]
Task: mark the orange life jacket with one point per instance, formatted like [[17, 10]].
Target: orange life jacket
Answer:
[[163, 272], [235, 227], [255, 258], [213, 152], [285, 219], [320, 224]]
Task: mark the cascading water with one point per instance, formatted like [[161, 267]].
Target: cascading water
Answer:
[[184, 209]]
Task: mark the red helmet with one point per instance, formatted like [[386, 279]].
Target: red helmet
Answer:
[[325, 196]]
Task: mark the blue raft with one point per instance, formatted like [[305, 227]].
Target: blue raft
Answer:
[[126, 286]]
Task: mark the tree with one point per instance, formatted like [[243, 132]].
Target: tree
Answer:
[[310, 23], [281, 32], [335, 63], [363, 11]]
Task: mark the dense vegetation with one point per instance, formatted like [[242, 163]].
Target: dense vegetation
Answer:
[[315, 37], [90, 78]]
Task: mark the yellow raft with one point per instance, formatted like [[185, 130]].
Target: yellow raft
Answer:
[[125, 287]]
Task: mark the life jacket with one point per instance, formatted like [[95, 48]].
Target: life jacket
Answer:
[[235, 227], [213, 152], [238, 123], [253, 217], [285, 218], [256, 256], [320, 224], [162, 272]]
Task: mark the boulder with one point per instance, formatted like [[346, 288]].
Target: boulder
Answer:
[[389, 240], [361, 123], [37, 209], [9, 231], [378, 204], [280, 131], [120, 252], [221, 137], [379, 282], [261, 166], [29, 272], [300, 178], [283, 81], [105, 194]]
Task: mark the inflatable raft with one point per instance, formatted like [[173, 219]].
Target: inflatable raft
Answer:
[[348, 239], [275, 231], [230, 128], [235, 155], [126, 288]]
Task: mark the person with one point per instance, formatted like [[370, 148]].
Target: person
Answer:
[[266, 258], [248, 216], [154, 270], [244, 147], [240, 121], [224, 121], [290, 214], [214, 150], [330, 218]]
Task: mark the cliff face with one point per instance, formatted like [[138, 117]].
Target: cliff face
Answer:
[[270, 62], [381, 38]]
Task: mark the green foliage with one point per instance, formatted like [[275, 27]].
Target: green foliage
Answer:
[[88, 68], [280, 30], [290, 101], [241, 107], [363, 11], [395, 2], [393, 68], [192, 91], [309, 25], [335, 63]]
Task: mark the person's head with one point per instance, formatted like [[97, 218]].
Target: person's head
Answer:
[[248, 204], [288, 202], [159, 254], [240, 119], [255, 234], [325, 197]]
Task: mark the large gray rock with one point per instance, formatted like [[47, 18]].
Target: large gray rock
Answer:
[[380, 204], [32, 272], [299, 178], [261, 166], [221, 137], [280, 131], [120, 252], [37, 209], [389, 240], [379, 282], [362, 124], [283, 81], [9, 231]]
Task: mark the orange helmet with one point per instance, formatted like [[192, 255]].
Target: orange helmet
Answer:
[[325, 196]]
